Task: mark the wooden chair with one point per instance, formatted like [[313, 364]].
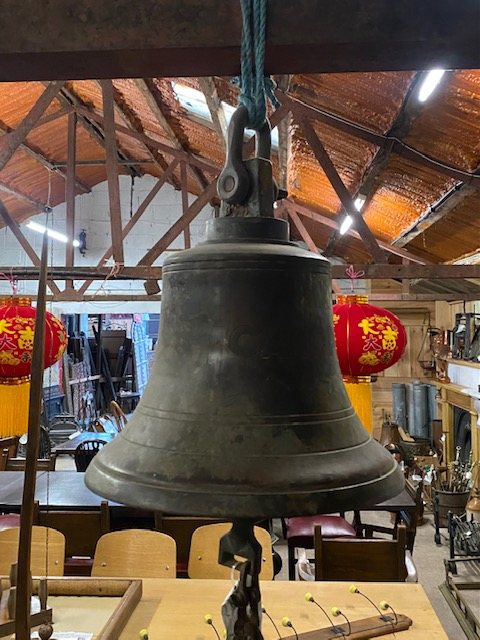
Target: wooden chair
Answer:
[[299, 533], [10, 443], [85, 452], [48, 551], [410, 518], [43, 464], [181, 529], [3, 459], [360, 559], [135, 553], [118, 415], [203, 558], [82, 530]]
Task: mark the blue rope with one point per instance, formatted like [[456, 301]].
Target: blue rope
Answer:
[[255, 87]]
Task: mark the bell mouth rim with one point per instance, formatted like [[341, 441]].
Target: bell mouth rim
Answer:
[[244, 504]]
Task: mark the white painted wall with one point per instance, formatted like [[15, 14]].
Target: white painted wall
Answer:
[[92, 214]]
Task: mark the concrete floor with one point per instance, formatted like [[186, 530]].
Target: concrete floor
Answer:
[[428, 558]]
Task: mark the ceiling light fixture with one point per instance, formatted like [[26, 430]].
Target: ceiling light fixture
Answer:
[[51, 233], [429, 84], [348, 220], [346, 224]]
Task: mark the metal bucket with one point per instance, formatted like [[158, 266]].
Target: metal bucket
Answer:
[[450, 501]]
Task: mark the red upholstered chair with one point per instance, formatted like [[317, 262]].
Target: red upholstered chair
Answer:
[[300, 534], [9, 520]]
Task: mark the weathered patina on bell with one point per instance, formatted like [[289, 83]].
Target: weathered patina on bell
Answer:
[[245, 414]]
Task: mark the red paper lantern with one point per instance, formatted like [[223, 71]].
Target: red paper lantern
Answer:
[[17, 329], [369, 339]]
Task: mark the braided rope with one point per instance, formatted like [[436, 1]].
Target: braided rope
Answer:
[[255, 87]]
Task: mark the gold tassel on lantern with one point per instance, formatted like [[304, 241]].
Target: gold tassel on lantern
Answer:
[[360, 393], [14, 399]]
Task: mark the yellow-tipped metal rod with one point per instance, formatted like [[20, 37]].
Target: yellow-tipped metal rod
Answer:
[[22, 607]]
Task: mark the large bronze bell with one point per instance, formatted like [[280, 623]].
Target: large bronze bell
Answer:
[[245, 414]]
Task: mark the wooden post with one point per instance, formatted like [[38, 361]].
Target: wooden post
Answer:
[[112, 172], [22, 606], [70, 192]]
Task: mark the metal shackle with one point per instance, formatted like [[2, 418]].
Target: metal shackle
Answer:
[[233, 183]]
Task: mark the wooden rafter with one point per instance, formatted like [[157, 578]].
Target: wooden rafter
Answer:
[[435, 213], [131, 120], [184, 181], [38, 204], [37, 155], [112, 172], [342, 192], [70, 191], [402, 271], [284, 139], [332, 224], [156, 38], [209, 89], [207, 194], [24, 243], [399, 129], [70, 100], [302, 110], [135, 217], [12, 141], [180, 225], [155, 101]]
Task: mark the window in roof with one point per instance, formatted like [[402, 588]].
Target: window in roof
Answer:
[[193, 101]]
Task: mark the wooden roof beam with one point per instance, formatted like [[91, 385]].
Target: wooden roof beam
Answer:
[[342, 192], [69, 99], [155, 101], [112, 172], [436, 212], [70, 39], [37, 204], [136, 216], [399, 129], [132, 122], [332, 224], [436, 272], [12, 141], [214, 104], [302, 110], [24, 243]]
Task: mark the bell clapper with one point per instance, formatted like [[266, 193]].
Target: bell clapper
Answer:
[[242, 609]]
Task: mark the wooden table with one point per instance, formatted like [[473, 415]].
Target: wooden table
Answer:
[[68, 447], [175, 609]]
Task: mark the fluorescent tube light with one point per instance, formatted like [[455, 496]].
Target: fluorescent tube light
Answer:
[[359, 202], [346, 224], [429, 84], [51, 233]]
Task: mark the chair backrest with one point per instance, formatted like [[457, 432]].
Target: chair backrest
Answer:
[[85, 452], [118, 415], [181, 529], [412, 517], [203, 558], [82, 529], [48, 551], [10, 443], [367, 560], [3, 459], [43, 464], [135, 553]]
